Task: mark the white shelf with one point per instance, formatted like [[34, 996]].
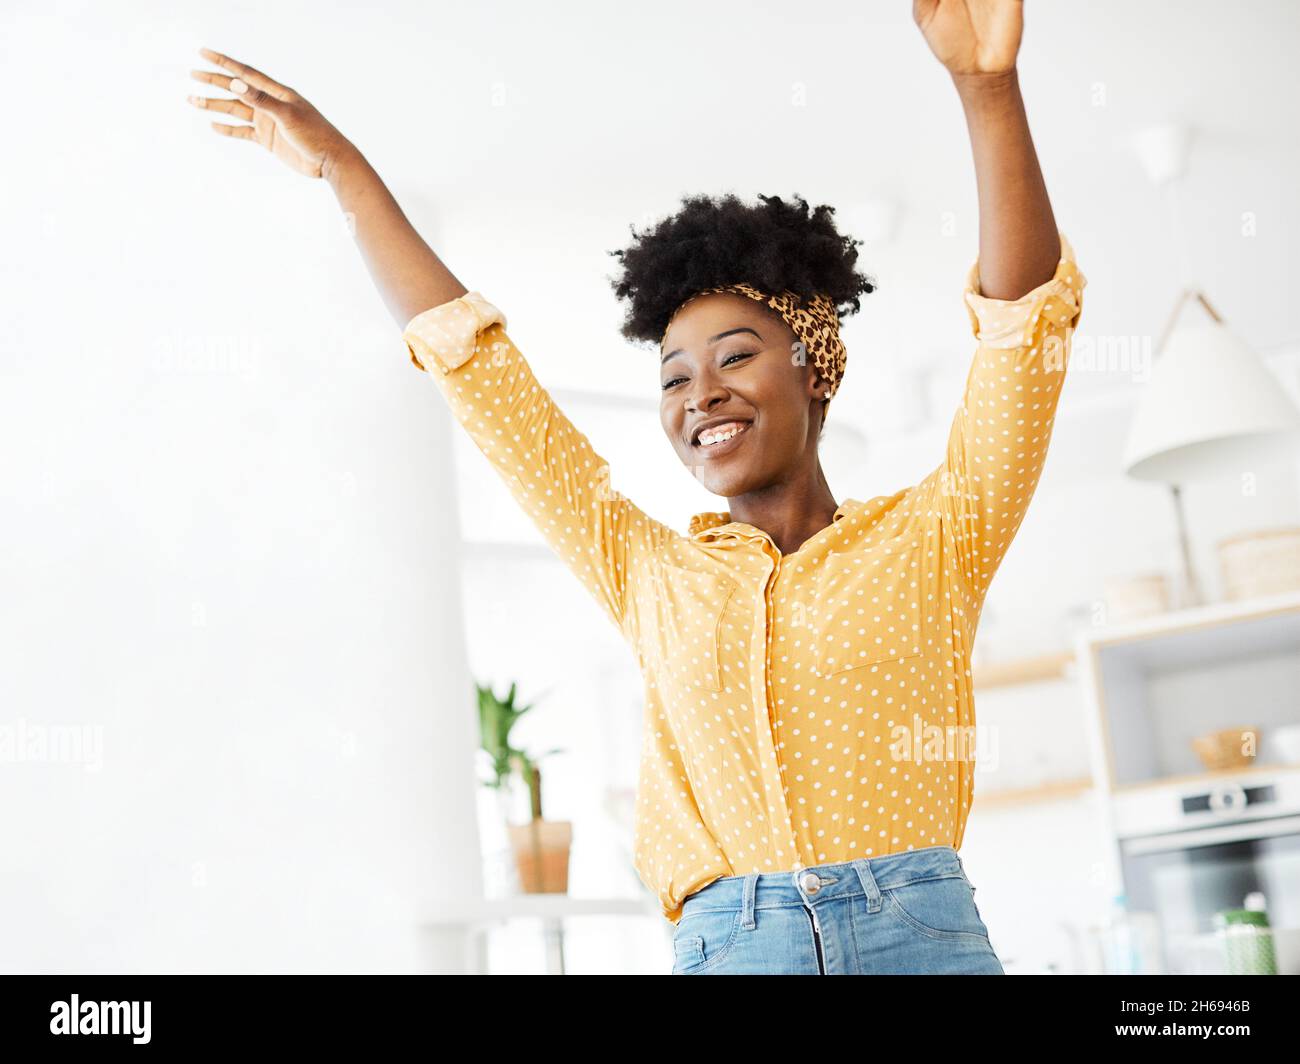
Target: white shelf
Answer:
[[1154, 684], [545, 906], [461, 927], [1217, 616]]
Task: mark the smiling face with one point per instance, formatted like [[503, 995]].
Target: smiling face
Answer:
[[740, 411]]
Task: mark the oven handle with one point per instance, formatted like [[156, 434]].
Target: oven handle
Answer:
[[1181, 840]]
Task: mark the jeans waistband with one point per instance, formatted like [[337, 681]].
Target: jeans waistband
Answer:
[[867, 876]]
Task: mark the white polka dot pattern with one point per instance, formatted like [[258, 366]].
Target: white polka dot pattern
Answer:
[[999, 436], [801, 708], [549, 466]]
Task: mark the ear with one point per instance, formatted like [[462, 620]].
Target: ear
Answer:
[[818, 386], [821, 387], [820, 393]]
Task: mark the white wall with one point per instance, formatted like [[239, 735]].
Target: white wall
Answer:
[[231, 544]]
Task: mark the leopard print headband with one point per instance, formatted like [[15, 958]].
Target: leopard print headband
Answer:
[[816, 324]]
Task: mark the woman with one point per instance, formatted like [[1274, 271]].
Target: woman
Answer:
[[800, 800]]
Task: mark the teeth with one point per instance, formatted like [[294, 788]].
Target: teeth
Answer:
[[712, 436]]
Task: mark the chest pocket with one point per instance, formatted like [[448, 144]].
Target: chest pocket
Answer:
[[868, 607], [689, 626]]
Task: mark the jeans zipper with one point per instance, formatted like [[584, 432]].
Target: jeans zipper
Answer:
[[817, 940]]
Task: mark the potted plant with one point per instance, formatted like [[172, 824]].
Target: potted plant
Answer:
[[541, 847]]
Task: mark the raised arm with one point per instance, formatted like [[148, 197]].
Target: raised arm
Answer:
[[550, 467], [460, 339], [977, 41], [409, 276], [1024, 295]]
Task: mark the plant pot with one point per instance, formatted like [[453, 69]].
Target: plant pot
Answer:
[[542, 855]]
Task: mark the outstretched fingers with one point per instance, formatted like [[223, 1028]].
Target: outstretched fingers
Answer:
[[238, 132], [235, 108], [253, 77]]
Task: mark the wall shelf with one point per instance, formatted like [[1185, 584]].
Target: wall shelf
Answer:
[[1152, 685], [1037, 669], [1045, 792], [1155, 683], [1208, 779]]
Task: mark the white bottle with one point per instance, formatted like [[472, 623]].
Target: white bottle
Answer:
[[1132, 940]]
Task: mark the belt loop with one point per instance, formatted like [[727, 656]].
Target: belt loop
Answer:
[[747, 902], [961, 867], [862, 866]]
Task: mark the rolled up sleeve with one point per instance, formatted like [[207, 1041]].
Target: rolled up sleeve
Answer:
[[549, 466]]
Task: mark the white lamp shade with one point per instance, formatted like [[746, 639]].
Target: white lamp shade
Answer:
[[1210, 409]]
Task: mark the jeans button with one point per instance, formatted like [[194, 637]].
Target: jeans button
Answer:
[[811, 882]]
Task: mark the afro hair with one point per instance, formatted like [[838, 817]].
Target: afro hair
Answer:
[[772, 245]]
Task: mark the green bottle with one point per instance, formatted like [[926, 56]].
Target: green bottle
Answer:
[[1247, 939]]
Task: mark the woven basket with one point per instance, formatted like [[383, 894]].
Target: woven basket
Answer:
[[1136, 596], [1223, 749], [1266, 562]]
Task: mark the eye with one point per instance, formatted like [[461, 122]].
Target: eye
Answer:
[[726, 361], [739, 354]]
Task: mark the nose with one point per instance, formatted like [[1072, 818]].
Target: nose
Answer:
[[706, 392]]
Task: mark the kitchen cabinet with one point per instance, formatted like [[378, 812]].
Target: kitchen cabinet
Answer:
[[1190, 842]]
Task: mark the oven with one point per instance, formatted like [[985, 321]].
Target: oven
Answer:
[[1184, 877]]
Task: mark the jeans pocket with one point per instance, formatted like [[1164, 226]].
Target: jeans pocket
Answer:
[[688, 952], [938, 908], [703, 938]]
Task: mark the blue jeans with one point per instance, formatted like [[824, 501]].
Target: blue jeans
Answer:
[[906, 913]]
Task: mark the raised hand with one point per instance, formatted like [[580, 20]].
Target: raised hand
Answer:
[[283, 122], [972, 36]]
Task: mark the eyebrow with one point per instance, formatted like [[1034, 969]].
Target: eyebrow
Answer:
[[711, 340]]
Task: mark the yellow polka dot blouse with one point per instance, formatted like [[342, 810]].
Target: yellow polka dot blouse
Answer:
[[801, 708]]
